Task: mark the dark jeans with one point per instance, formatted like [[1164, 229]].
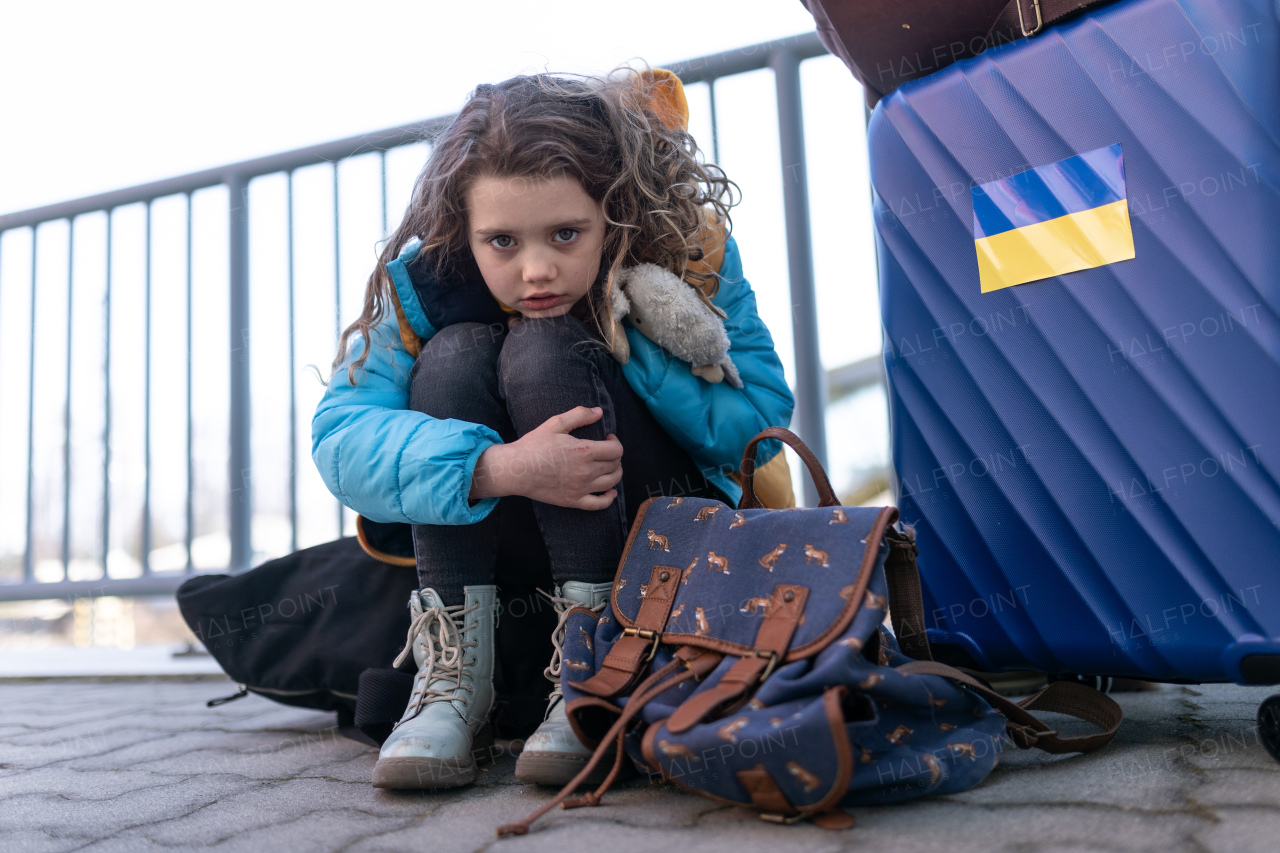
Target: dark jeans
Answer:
[[513, 381]]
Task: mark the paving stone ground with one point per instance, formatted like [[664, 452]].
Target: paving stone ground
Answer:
[[120, 765]]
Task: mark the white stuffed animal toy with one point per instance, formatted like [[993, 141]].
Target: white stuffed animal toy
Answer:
[[677, 317]]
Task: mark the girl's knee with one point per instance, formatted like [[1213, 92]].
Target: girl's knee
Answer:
[[534, 347], [463, 343], [451, 364]]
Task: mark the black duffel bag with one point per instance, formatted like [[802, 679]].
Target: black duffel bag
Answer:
[[319, 628]]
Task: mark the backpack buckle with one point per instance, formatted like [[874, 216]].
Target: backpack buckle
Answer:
[[646, 634], [1025, 737], [772, 665]]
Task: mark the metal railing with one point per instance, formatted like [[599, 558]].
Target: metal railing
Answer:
[[813, 385]]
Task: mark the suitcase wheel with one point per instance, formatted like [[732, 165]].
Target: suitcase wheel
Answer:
[[1269, 725]]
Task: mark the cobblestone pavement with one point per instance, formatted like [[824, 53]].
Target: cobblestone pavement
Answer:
[[144, 766]]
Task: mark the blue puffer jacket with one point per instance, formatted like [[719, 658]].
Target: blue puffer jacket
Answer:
[[391, 464]]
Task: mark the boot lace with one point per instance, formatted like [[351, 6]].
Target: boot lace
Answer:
[[441, 628], [552, 672]]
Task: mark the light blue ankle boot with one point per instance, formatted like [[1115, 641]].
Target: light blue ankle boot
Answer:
[[553, 755], [444, 729]]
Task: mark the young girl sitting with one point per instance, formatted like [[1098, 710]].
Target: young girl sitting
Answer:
[[481, 402]]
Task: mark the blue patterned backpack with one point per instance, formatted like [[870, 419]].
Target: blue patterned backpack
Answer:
[[745, 658]]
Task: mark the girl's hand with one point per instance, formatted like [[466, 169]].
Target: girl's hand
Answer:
[[553, 467]]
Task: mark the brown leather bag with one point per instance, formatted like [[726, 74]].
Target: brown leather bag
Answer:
[[885, 43]]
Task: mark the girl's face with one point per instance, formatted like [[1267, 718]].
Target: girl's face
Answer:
[[537, 241]]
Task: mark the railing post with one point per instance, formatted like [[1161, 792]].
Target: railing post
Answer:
[[66, 413], [106, 405], [28, 554], [189, 527], [239, 480], [145, 556], [810, 422]]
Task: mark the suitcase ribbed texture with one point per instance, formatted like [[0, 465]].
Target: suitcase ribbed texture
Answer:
[[1093, 461]]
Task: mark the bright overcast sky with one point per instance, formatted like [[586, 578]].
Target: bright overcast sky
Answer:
[[99, 96]]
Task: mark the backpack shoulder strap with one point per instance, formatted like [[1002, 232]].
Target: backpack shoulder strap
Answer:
[[906, 613], [1026, 729]]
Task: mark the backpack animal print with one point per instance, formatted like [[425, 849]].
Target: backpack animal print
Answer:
[[777, 685]]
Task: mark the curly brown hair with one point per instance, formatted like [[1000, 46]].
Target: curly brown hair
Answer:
[[657, 195]]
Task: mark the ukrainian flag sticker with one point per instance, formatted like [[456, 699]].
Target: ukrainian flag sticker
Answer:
[[1066, 216]]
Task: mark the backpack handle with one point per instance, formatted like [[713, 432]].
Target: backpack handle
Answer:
[[826, 495]]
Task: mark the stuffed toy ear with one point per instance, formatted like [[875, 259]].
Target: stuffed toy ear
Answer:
[[664, 94], [619, 307]]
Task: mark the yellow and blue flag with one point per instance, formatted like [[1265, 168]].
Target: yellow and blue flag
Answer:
[[1066, 216]]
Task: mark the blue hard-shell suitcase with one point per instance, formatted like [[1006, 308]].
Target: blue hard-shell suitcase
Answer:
[[1092, 460]]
